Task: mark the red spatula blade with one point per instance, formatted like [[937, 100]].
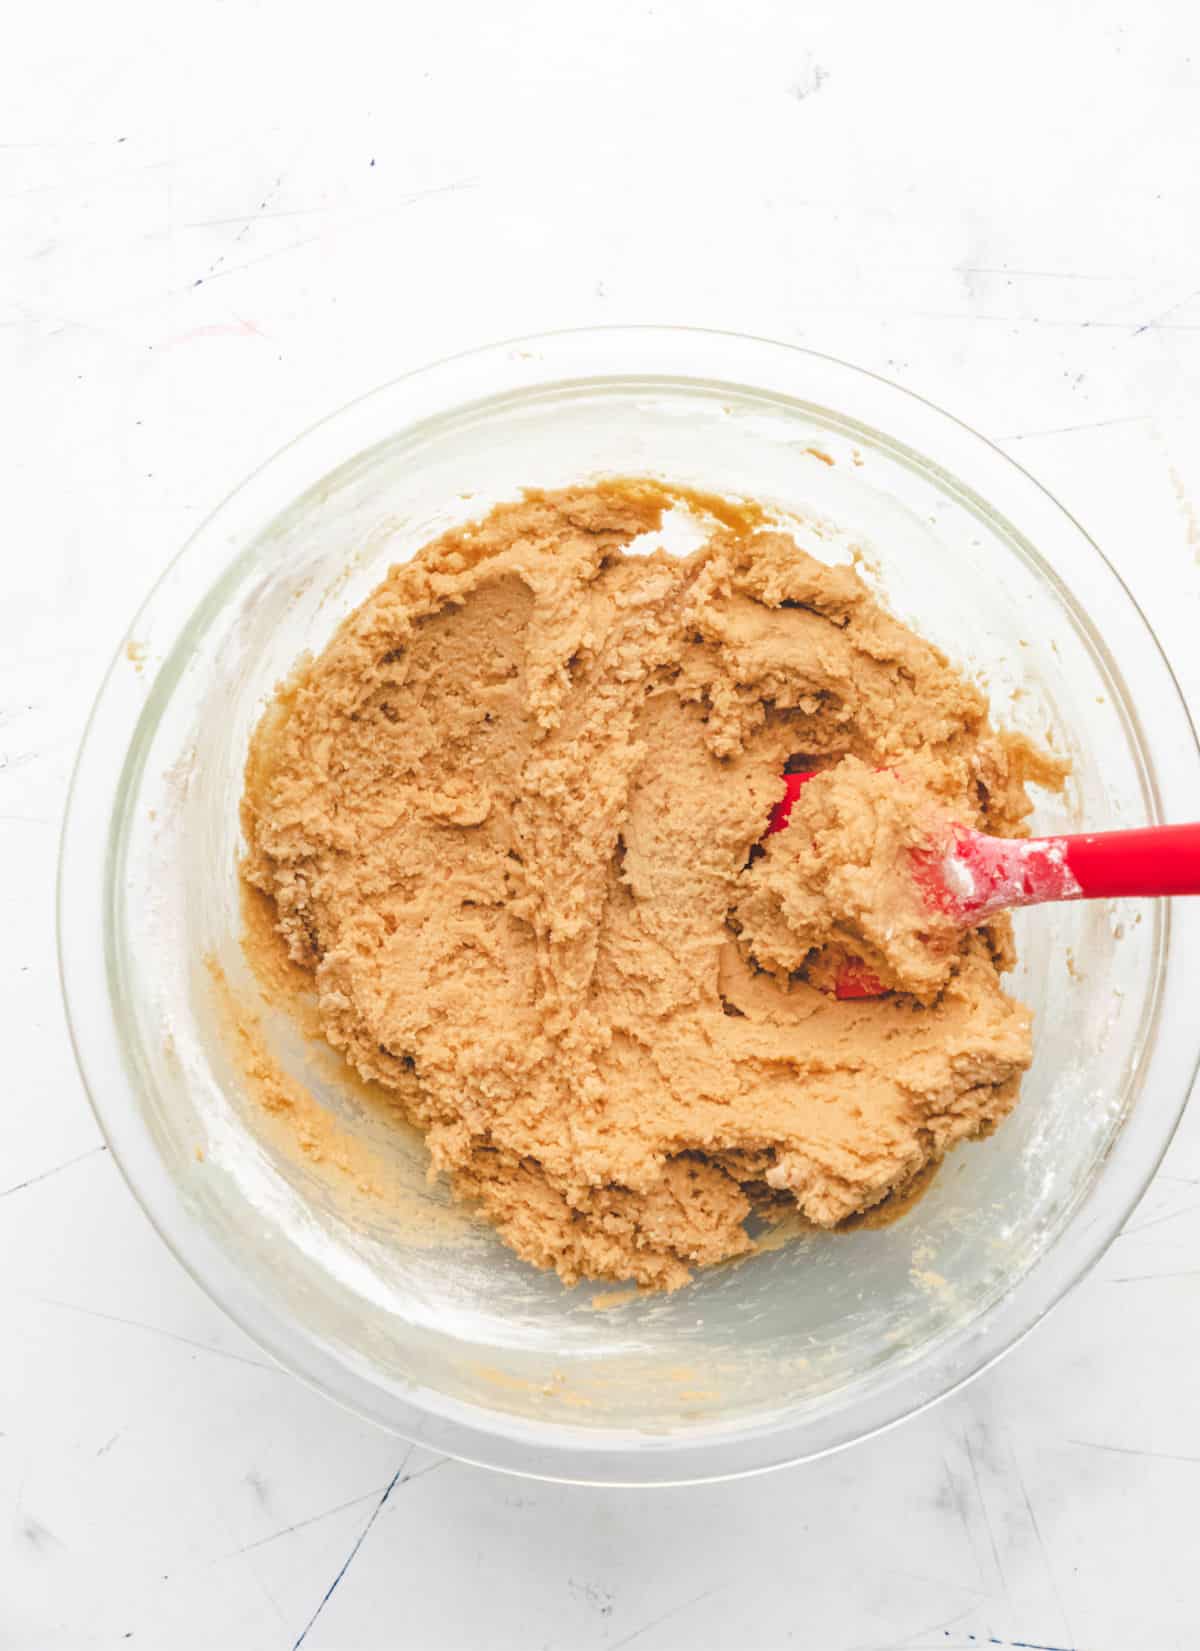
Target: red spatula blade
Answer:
[[854, 979], [781, 813]]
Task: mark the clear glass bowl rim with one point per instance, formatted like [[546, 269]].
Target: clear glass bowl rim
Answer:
[[496, 1439]]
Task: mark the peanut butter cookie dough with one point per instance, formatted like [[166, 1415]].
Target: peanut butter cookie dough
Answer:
[[510, 822]]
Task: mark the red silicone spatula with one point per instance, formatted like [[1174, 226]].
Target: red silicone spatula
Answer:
[[970, 876]]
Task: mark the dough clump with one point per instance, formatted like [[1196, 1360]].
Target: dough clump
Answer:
[[840, 879], [510, 823]]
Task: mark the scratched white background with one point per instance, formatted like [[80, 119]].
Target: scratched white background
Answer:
[[218, 222]]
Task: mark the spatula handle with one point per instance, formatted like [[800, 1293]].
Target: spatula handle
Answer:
[[982, 875], [1158, 860]]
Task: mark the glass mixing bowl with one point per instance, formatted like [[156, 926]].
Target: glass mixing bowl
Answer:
[[414, 1315]]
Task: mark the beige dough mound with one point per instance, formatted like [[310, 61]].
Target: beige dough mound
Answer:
[[509, 822], [839, 879]]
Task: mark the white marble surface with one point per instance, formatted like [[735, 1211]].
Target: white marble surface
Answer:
[[218, 222]]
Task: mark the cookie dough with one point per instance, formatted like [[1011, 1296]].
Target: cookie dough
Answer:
[[510, 823]]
